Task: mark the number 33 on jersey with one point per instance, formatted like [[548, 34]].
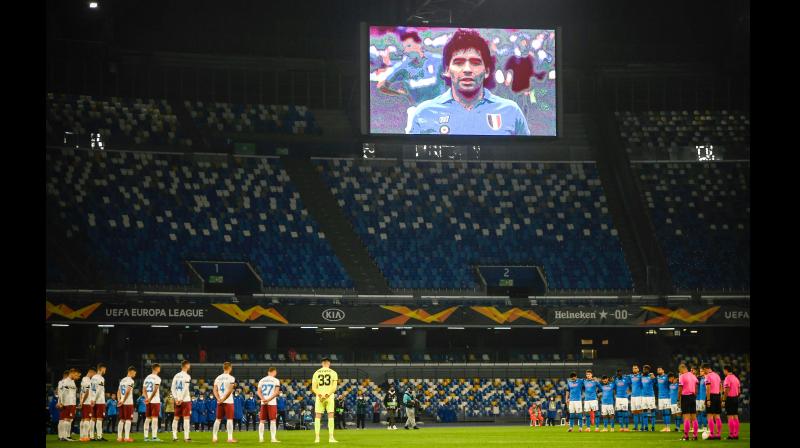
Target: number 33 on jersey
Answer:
[[325, 381]]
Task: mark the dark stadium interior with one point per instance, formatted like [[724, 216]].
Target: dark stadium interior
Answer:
[[209, 161]]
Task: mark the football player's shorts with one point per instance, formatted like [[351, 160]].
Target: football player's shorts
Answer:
[[99, 411], [152, 410], [575, 407], [125, 412], [621, 404], [224, 410], [268, 412], [184, 409], [323, 406], [67, 412], [86, 411], [608, 409], [700, 405]]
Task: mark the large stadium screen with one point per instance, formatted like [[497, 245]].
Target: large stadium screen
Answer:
[[462, 81]]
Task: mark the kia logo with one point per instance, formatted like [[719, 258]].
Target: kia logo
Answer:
[[333, 314]]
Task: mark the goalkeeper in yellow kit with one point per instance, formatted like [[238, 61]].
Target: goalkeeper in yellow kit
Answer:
[[324, 384]]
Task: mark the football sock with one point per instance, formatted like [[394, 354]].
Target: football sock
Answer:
[[230, 429], [128, 429], [317, 424], [186, 426], [273, 429], [330, 427], [215, 431]]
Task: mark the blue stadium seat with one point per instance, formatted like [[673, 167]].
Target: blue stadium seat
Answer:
[[221, 117], [427, 223], [120, 121], [701, 213], [668, 130], [145, 214]]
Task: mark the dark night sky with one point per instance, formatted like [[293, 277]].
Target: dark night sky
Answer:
[[594, 31]]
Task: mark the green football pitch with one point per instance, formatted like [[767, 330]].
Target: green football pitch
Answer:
[[464, 436]]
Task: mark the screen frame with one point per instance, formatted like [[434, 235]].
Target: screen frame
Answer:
[[365, 115]]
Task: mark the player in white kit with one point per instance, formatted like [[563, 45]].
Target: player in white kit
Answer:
[[125, 394], [269, 388], [60, 405], [183, 400], [68, 396], [152, 400], [223, 392], [98, 402], [87, 421]]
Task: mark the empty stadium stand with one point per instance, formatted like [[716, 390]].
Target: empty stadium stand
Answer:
[[701, 213], [145, 214], [427, 223], [383, 357], [667, 131], [261, 118], [120, 121]]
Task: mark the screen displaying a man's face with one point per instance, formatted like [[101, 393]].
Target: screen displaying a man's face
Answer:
[[462, 81]]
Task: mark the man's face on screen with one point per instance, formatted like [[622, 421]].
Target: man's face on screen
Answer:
[[466, 70], [412, 48]]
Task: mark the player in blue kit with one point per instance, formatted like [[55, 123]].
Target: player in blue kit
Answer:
[[636, 396], [674, 409], [418, 77], [702, 419], [622, 386], [648, 398], [574, 390], [468, 107], [607, 403], [590, 407], [664, 403]]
